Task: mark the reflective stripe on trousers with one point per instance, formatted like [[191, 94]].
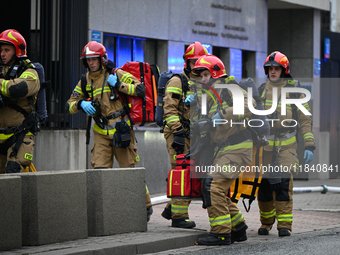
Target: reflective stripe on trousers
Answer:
[[284, 217], [268, 214], [220, 220], [179, 208], [238, 218]]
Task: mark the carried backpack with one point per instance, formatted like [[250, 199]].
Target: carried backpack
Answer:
[[41, 107], [162, 81], [142, 110]]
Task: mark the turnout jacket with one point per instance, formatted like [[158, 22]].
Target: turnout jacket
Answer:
[[97, 82], [287, 138], [18, 90], [223, 131], [173, 105]]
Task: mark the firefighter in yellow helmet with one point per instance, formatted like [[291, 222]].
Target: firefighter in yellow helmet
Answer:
[[113, 135], [231, 149], [19, 87], [176, 131], [276, 189]]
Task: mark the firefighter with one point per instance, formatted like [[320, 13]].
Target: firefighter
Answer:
[[112, 131], [233, 148], [176, 131], [275, 192], [19, 87]]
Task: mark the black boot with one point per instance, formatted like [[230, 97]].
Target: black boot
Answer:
[[284, 232], [214, 239], [264, 230], [167, 213], [240, 234], [183, 223], [149, 211]]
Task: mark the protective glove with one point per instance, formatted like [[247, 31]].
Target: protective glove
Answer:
[[179, 142], [112, 80], [216, 117], [140, 90], [88, 107], [308, 156], [191, 99]]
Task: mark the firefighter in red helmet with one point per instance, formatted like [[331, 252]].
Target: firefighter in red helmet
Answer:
[[231, 147], [98, 97], [176, 131], [276, 190], [19, 87]]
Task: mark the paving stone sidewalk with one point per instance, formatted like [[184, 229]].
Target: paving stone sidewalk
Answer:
[[312, 212]]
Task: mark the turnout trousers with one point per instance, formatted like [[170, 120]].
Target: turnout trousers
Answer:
[[278, 205], [224, 216], [179, 207]]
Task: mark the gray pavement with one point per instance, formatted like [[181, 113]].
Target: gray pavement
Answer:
[[313, 212]]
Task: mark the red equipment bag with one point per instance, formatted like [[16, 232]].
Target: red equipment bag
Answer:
[[184, 163], [183, 182], [142, 109]]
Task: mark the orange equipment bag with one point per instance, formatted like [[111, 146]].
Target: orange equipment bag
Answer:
[[247, 183]]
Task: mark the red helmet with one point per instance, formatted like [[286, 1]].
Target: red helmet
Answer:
[[94, 49], [276, 58], [194, 51], [13, 37], [212, 63]]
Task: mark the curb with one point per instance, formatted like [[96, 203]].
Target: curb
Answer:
[[156, 239]]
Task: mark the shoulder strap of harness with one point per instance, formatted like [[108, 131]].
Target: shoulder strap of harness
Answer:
[[83, 85], [225, 94], [261, 89]]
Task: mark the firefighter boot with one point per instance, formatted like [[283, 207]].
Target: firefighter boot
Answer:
[[183, 223], [264, 230], [167, 213], [149, 211], [284, 232], [240, 234], [214, 239]]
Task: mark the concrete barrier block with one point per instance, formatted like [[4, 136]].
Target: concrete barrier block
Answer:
[[54, 207], [69, 145], [116, 201], [10, 212]]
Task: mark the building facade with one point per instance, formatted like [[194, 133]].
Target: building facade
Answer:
[[241, 32]]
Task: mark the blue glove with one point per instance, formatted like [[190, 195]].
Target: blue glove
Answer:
[[308, 156], [216, 117], [191, 99], [87, 107], [112, 80]]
